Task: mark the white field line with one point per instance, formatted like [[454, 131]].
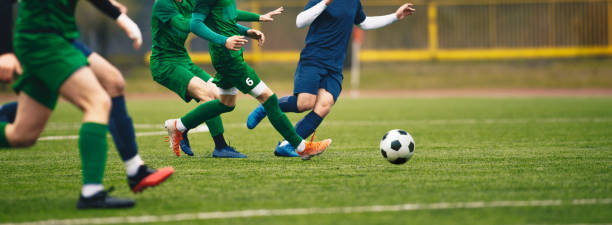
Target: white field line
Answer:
[[203, 128], [199, 129], [310, 211]]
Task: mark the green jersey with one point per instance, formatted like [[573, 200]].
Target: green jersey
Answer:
[[221, 18], [168, 40], [170, 26], [58, 17]]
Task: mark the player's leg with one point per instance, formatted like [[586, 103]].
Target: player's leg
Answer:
[[121, 127], [83, 90], [307, 125], [207, 91], [202, 113], [305, 89], [28, 125]]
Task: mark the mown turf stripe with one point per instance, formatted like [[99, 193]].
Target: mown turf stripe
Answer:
[[309, 211], [203, 128]]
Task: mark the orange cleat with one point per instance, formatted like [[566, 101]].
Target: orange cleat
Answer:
[[148, 177], [174, 136], [314, 148]]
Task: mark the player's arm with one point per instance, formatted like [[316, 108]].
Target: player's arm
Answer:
[[306, 17], [130, 28], [375, 22], [254, 17], [200, 29]]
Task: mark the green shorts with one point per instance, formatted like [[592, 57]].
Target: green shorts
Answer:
[[175, 75], [47, 60], [232, 71]]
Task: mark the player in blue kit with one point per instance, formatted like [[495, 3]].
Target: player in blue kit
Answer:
[[318, 77]]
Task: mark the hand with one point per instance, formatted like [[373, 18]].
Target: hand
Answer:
[[405, 10], [268, 16], [327, 2], [258, 35], [235, 42], [8, 66], [120, 6], [131, 29]]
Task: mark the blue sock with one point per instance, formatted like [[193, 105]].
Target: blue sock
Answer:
[[8, 112], [308, 124], [288, 104], [122, 129]]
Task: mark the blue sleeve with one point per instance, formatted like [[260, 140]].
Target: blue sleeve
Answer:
[[198, 27], [360, 16], [311, 3]]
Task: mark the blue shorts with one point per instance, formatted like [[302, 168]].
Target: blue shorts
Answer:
[[308, 79], [82, 47]]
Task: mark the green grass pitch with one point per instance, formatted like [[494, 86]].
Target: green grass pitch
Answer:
[[467, 149]]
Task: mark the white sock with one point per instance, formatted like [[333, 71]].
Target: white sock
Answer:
[[89, 190], [282, 144], [180, 126], [132, 165], [300, 147]]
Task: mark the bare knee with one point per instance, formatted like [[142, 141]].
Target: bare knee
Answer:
[[97, 103], [306, 102], [116, 85], [21, 138], [322, 108]]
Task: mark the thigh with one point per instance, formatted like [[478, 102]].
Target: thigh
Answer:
[[31, 117], [307, 80], [107, 74], [83, 90]]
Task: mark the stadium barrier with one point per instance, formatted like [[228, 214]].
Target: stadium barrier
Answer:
[[453, 30]]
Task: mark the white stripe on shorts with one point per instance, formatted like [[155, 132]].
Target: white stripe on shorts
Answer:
[[257, 90]]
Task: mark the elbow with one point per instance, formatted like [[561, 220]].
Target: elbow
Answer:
[[193, 25], [300, 21]]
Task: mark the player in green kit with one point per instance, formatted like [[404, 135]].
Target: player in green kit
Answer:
[[54, 66], [172, 67], [216, 21]]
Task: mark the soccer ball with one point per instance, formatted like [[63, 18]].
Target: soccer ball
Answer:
[[397, 146]]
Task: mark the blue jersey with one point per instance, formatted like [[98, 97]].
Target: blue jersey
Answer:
[[329, 34]]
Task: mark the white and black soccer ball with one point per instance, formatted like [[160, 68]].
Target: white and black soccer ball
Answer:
[[397, 146]]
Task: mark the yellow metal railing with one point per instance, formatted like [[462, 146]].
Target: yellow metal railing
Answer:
[[457, 30]]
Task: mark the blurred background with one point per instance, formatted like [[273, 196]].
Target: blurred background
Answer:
[[447, 44]]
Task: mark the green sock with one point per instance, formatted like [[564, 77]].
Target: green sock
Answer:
[[93, 147], [3, 142], [204, 112], [215, 126], [280, 122]]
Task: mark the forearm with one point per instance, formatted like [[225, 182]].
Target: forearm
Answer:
[[107, 8], [308, 16], [247, 16], [375, 22], [200, 29], [243, 29], [181, 23]]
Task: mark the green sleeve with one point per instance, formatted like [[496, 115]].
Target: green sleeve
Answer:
[[164, 10], [181, 23], [198, 27], [243, 29], [247, 16]]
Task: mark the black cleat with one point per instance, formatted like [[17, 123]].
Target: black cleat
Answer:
[[148, 177], [101, 200]]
